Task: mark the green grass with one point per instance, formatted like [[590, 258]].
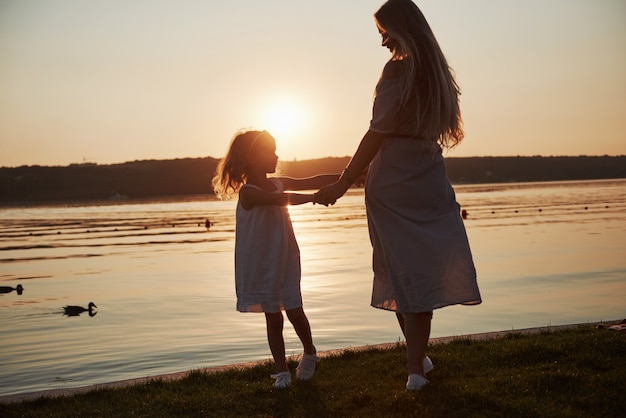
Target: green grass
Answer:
[[568, 373]]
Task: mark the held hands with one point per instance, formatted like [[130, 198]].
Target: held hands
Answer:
[[317, 198], [328, 195]]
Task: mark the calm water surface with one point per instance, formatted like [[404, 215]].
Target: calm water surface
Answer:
[[546, 254]]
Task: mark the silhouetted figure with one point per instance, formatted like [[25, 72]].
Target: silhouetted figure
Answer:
[[464, 214], [207, 223], [415, 117], [8, 289], [73, 310]]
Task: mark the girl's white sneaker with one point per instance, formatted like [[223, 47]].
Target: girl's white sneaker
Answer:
[[416, 382], [283, 380], [306, 368]]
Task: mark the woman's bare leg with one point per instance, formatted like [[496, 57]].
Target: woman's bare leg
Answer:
[[416, 328], [400, 318]]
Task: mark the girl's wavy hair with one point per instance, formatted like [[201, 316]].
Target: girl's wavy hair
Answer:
[[427, 74], [232, 170]]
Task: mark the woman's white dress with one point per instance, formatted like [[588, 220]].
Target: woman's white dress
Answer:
[[421, 255], [267, 259]]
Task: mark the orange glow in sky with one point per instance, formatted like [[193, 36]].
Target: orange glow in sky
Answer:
[[117, 81]]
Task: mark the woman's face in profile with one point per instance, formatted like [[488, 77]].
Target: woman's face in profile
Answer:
[[387, 41]]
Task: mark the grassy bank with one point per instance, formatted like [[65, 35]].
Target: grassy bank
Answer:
[[568, 373]]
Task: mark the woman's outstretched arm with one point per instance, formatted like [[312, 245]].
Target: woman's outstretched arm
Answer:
[[368, 148]]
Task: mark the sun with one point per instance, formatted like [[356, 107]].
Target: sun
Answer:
[[284, 118], [289, 116]]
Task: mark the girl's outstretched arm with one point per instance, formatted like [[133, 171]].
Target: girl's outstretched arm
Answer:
[[251, 196], [309, 183]]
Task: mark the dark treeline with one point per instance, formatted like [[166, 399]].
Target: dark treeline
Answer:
[[191, 176]]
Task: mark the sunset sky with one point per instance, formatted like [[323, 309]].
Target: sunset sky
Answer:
[[122, 80]]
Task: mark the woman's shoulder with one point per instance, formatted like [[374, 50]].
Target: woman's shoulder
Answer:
[[393, 69]]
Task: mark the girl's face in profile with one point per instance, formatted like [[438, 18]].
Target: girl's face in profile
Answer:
[[264, 155]]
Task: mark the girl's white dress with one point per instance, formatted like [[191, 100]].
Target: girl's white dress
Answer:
[[421, 255], [267, 258]]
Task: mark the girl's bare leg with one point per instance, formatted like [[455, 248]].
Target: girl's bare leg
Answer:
[[274, 322], [416, 329], [301, 324]]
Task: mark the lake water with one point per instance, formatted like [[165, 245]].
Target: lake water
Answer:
[[546, 254]]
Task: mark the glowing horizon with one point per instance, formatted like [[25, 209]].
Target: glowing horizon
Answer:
[[110, 82]]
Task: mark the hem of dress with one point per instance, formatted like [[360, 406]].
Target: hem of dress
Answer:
[[465, 303], [261, 310]]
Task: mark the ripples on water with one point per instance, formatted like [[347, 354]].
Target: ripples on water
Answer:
[[546, 254]]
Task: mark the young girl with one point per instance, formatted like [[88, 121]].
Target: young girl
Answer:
[[267, 257]]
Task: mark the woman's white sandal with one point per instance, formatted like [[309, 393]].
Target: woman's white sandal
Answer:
[[427, 364]]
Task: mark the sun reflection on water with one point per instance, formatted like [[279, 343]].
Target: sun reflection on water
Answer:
[[163, 283]]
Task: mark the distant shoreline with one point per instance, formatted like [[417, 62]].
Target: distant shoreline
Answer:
[[192, 176]]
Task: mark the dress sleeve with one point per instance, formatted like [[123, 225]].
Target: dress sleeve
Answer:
[[280, 187], [386, 105]]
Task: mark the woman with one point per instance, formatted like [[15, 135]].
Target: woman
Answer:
[[421, 256]]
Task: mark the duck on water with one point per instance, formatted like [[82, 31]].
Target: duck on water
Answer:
[[73, 310], [8, 289]]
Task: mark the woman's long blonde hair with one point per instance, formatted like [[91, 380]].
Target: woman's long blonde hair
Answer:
[[232, 170], [428, 79]]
